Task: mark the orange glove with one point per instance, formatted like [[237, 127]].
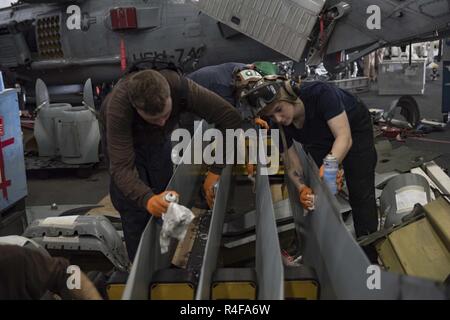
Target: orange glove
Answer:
[[157, 205], [339, 177], [263, 124], [306, 197], [321, 171], [208, 187]]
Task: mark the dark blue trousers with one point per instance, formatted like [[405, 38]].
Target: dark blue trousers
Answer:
[[359, 168]]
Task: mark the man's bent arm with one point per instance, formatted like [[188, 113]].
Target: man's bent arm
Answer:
[[213, 109], [87, 291], [121, 152]]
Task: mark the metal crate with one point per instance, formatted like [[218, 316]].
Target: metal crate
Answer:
[[353, 85]]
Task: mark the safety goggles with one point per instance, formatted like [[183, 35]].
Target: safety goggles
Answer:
[[263, 95]]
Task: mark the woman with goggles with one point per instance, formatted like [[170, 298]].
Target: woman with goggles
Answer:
[[325, 120]]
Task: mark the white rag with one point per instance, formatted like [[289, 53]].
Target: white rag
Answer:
[[175, 225]]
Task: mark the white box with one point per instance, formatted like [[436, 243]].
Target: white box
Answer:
[[401, 78]]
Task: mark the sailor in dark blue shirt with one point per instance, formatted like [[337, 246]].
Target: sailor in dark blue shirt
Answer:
[[324, 105], [326, 120], [228, 80], [219, 79]]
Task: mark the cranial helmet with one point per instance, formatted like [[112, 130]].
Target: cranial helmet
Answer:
[[246, 77]]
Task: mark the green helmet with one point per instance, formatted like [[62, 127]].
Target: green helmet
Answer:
[[266, 68]]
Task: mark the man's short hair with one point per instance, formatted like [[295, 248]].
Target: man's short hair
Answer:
[[149, 91]]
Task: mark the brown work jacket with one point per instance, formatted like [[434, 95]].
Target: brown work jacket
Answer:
[[125, 129]]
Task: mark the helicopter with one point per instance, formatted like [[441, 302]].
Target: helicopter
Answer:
[[66, 42]]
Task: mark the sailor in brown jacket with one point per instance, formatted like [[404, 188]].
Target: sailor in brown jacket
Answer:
[[138, 117]]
